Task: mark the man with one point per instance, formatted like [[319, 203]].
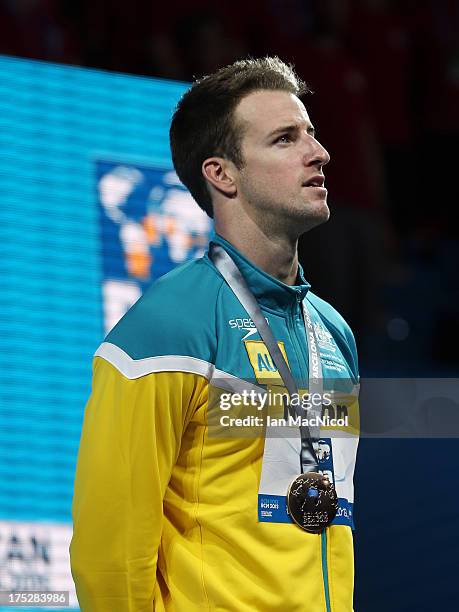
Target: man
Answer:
[[168, 516]]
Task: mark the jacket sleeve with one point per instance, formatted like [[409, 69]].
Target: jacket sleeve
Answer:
[[130, 440]]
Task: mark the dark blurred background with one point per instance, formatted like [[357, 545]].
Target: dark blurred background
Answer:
[[386, 81]]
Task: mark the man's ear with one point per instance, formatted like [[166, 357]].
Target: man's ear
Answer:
[[220, 173]]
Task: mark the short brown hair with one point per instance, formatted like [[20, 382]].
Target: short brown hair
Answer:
[[203, 123]]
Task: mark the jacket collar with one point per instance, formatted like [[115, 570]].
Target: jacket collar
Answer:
[[269, 291]]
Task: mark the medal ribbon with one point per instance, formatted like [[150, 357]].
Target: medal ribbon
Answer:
[[231, 273]]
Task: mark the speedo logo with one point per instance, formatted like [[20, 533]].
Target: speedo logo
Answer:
[[245, 324]]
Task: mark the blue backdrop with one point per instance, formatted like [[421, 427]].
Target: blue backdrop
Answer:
[[79, 150]]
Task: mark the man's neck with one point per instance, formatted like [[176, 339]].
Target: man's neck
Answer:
[[276, 255]]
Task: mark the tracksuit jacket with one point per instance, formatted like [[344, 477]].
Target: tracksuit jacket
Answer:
[[169, 517]]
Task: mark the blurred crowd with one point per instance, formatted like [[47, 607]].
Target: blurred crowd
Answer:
[[385, 77]]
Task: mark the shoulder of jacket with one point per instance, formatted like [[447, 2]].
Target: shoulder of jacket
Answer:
[[175, 316]]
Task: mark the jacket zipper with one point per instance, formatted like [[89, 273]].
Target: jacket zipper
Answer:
[[300, 355], [323, 536]]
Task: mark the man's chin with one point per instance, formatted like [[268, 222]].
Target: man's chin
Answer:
[[315, 215]]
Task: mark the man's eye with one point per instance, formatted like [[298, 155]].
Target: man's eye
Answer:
[[283, 138]]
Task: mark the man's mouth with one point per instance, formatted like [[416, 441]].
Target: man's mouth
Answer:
[[315, 181]]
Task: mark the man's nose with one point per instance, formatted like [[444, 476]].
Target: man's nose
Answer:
[[315, 153]]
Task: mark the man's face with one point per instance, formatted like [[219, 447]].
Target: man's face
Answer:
[[281, 182]]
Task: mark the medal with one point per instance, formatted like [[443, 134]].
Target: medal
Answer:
[[312, 501]]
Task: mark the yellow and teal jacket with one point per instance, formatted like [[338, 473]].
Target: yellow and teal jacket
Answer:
[[169, 517]]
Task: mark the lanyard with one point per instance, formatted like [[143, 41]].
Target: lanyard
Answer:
[[231, 273]]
